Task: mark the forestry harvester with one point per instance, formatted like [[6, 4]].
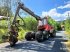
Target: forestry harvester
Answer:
[[44, 30]]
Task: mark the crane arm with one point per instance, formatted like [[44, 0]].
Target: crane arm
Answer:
[[21, 6], [29, 11]]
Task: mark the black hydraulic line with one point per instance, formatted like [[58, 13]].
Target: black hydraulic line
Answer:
[[21, 6], [21, 19]]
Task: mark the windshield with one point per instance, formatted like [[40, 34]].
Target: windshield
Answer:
[[42, 22]]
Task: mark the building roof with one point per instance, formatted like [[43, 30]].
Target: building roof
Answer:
[[3, 17]]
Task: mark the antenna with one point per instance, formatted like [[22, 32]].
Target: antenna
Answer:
[[68, 14]]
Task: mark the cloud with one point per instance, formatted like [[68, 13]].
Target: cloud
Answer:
[[55, 15], [66, 13], [65, 6]]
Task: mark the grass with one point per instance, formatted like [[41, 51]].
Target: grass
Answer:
[[2, 32], [21, 33], [67, 45], [68, 42], [68, 34]]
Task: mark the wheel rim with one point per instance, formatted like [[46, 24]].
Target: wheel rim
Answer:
[[47, 36], [42, 37]]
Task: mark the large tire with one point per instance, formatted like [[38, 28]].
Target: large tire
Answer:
[[28, 36], [33, 35], [53, 34], [39, 36], [45, 35]]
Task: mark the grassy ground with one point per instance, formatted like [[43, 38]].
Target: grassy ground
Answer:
[[68, 42], [4, 30], [68, 45], [21, 34]]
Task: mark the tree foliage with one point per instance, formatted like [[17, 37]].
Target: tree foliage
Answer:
[[67, 25], [4, 11], [55, 24], [30, 23]]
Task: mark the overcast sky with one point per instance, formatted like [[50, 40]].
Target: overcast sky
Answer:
[[57, 9]]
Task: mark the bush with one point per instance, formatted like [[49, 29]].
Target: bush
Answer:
[[30, 23]]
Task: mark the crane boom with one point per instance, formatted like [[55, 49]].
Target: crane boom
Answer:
[[21, 6], [30, 12]]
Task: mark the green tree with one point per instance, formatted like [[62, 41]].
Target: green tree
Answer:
[[4, 10], [53, 22], [67, 25], [30, 23]]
